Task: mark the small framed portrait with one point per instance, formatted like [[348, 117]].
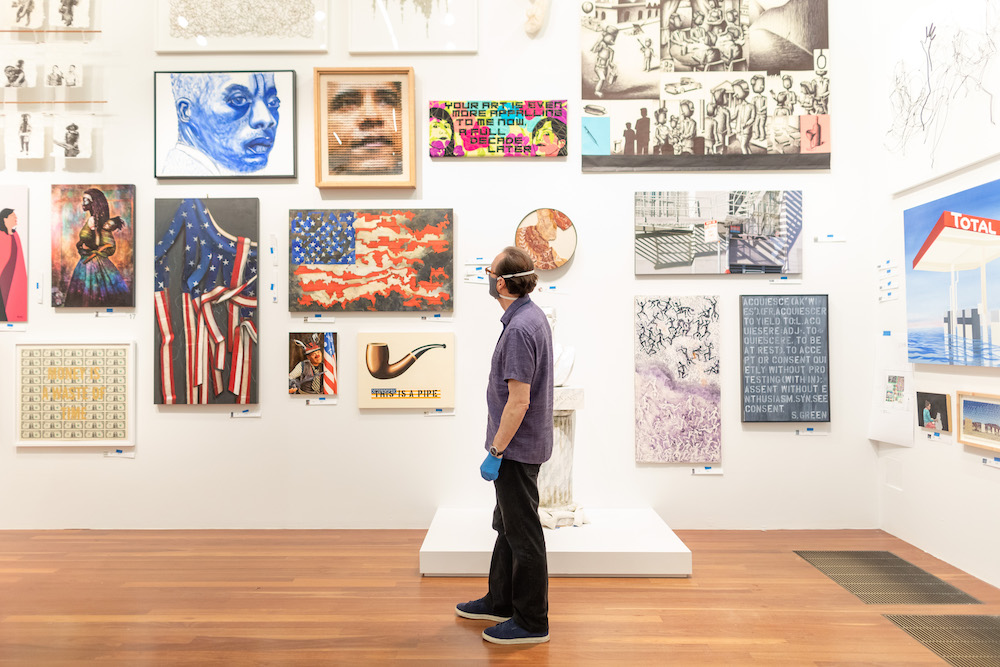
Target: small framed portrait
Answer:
[[934, 412], [364, 128], [224, 124], [548, 235], [979, 420]]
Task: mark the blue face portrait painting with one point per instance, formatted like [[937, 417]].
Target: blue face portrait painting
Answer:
[[227, 123]]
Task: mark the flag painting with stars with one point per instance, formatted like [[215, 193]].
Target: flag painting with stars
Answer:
[[205, 301], [376, 259]]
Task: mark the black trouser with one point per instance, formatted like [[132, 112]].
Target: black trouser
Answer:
[[519, 574]]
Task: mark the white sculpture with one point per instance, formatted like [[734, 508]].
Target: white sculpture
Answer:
[[537, 14]]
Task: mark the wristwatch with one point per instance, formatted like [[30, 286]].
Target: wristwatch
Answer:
[[494, 452]]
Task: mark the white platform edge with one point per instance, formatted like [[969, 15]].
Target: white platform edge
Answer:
[[617, 543]]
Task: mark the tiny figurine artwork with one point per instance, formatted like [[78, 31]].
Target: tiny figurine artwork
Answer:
[[548, 235], [93, 246], [370, 259], [406, 370], [531, 128], [678, 409], [312, 364], [75, 394]]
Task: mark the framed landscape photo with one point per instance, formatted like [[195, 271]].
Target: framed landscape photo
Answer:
[[979, 420], [364, 128], [225, 124]]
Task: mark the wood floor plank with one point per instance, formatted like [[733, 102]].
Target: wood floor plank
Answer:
[[302, 597]]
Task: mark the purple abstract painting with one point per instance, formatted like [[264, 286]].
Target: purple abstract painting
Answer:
[[677, 406]]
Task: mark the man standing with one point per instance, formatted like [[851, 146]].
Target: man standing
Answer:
[[642, 133], [519, 439]]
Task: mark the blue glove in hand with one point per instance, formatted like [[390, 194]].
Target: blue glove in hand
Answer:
[[490, 469]]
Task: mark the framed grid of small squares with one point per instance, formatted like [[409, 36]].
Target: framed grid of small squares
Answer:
[[75, 394]]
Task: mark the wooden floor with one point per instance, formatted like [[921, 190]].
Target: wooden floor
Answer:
[[356, 597]]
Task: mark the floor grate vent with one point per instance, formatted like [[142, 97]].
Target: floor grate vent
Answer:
[[962, 641], [881, 577]]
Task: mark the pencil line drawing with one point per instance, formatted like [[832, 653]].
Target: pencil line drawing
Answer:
[[956, 65]]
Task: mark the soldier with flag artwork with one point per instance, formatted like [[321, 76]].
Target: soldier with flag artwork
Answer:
[[312, 363]]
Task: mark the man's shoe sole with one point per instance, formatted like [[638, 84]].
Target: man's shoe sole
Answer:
[[481, 617], [516, 640]]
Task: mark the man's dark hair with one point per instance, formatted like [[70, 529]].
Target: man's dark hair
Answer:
[[515, 260]]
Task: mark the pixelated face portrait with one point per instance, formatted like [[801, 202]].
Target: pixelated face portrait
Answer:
[[365, 125], [232, 117]]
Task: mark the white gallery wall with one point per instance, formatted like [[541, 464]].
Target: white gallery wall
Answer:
[[336, 467]]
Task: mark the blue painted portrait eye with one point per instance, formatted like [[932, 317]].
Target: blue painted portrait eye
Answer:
[[238, 100], [274, 102]]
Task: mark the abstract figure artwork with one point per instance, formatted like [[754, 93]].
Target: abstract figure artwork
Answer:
[[406, 370], [224, 124], [364, 128], [942, 87], [312, 364], [413, 26], [13, 253], [736, 231], [548, 235], [952, 247], [375, 259], [531, 128], [677, 393], [93, 246], [238, 25], [705, 85], [205, 301]]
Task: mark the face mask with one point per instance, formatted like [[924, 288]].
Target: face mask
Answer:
[[493, 284]]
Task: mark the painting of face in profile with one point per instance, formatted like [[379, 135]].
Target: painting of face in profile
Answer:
[[548, 236], [225, 124], [364, 128]]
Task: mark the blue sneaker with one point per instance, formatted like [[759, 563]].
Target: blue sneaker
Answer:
[[478, 610], [510, 632]]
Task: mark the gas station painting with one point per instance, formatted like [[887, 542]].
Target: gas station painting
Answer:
[[952, 272]]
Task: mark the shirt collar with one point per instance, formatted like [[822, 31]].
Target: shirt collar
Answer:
[[508, 314]]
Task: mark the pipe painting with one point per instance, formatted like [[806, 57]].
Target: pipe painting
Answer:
[[377, 357]]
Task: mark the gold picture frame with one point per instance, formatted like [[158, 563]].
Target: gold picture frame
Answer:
[[364, 127], [979, 420]]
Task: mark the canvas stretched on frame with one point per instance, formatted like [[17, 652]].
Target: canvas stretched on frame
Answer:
[[232, 140], [406, 370], [979, 420], [413, 26], [14, 255], [185, 26], [75, 394], [377, 148], [490, 128]]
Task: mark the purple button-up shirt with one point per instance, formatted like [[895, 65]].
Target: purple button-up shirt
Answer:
[[524, 353]]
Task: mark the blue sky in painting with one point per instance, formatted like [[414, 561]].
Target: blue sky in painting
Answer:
[[927, 291]]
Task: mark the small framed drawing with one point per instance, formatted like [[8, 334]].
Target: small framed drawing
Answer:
[[75, 394], [979, 420], [934, 412], [224, 124], [413, 26], [364, 128], [190, 26]]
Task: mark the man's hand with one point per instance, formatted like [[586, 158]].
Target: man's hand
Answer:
[[490, 469]]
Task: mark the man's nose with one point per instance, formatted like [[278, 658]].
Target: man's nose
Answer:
[[260, 115]]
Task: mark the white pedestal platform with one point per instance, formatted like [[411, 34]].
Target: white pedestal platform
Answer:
[[616, 543]]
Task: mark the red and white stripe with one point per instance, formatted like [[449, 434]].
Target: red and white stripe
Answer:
[[161, 301]]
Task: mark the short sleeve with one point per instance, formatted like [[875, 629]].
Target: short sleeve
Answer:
[[518, 357]]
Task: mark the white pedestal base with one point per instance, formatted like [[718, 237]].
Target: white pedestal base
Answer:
[[617, 543]]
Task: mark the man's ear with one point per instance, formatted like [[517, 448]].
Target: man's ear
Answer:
[[184, 110]]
